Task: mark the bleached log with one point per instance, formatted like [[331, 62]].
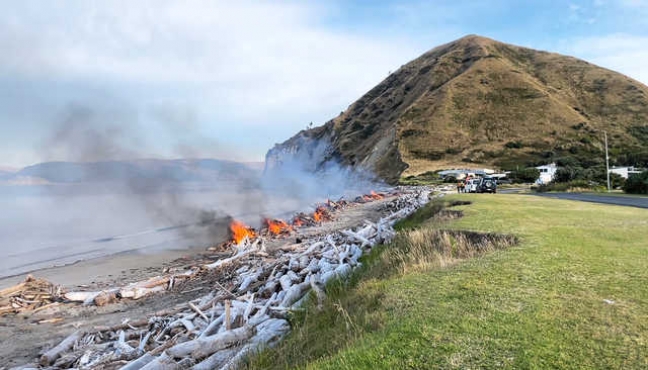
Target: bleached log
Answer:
[[204, 346], [318, 288], [137, 292], [343, 255], [325, 266], [313, 247], [328, 276], [188, 325], [313, 265], [104, 298], [50, 356], [154, 282], [249, 308], [294, 293], [286, 281], [344, 270], [355, 254], [368, 231], [198, 311], [162, 362], [24, 367], [228, 315], [121, 345], [249, 279], [226, 261], [360, 238], [213, 326], [80, 296], [268, 332], [217, 360]]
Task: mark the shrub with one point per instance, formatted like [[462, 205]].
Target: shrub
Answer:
[[524, 175], [514, 144], [567, 174], [576, 185], [637, 184]]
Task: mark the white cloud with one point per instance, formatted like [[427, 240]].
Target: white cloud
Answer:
[[250, 56], [623, 53], [228, 64]]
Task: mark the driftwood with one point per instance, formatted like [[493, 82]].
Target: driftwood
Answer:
[[30, 295], [240, 314], [139, 363], [50, 356], [205, 346]]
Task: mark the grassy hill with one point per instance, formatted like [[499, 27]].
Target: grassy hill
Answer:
[[570, 295], [480, 101]]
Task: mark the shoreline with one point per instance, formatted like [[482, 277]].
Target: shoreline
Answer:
[[124, 267]]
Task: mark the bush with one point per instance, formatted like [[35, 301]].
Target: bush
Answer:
[[513, 144], [576, 185], [637, 184], [567, 174], [524, 175]]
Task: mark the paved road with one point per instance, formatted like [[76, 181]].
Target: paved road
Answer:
[[641, 202]]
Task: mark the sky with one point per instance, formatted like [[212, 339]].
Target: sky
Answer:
[[229, 79]]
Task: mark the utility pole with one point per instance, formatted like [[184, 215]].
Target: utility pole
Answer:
[[607, 162]]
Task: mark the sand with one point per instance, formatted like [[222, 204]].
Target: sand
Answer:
[[22, 337]]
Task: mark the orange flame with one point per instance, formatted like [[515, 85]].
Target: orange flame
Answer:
[[375, 195], [276, 227], [297, 222], [240, 231], [320, 214]]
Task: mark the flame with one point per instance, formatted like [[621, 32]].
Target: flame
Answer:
[[297, 222], [240, 231], [375, 195], [320, 214], [276, 227]]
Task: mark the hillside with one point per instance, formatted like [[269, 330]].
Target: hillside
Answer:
[[480, 101], [145, 170]]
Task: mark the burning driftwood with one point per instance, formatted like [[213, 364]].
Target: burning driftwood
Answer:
[[224, 326], [277, 227]]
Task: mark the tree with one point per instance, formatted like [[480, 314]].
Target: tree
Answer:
[[637, 184], [567, 174], [529, 174]]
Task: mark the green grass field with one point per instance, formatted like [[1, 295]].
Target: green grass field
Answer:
[[572, 294]]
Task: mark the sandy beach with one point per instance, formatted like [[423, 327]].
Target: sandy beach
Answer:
[[23, 335]]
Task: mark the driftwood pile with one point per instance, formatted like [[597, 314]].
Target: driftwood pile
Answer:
[[31, 295], [218, 330]]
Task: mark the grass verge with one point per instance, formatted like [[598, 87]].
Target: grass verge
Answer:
[[571, 295]]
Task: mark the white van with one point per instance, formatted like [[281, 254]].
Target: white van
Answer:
[[471, 185]]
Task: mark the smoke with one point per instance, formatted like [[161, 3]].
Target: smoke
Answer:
[[82, 135], [102, 150], [308, 168], [108, 194]]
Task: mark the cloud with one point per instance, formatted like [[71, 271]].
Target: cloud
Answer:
[[246, 56], [620, 52], [220, 66]]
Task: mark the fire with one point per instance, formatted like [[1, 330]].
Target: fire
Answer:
[[375, 195], [297, 222], [321, 214], [276, 227], [240, 231]]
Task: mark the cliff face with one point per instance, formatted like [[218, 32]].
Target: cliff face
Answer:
[[479, 101]]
